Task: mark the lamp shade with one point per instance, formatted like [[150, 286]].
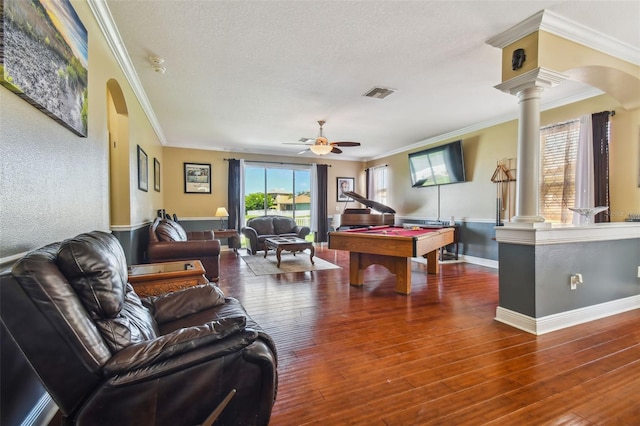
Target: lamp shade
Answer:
[[221, 212], [321, 149]]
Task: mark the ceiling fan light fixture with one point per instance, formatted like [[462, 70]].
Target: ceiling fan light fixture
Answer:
[[321, 149]]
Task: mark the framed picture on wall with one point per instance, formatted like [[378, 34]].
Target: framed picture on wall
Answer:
[[52, 73], [156, 174], [345, 184], [197, 178], [143, 170]]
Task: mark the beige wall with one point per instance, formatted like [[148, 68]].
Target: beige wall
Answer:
[[54, 184], [475, 199], [204, 205]]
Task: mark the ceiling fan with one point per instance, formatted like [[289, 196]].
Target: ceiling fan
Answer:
[[321, 145]]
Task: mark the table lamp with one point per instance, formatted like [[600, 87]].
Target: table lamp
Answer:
[[222, 212]]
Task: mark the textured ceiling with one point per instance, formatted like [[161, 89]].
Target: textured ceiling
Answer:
[[251, 76]]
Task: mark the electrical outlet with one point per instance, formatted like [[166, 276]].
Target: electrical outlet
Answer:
[[638, 271], [574, 280]]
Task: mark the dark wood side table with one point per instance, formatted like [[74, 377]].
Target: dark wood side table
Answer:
[[153, 279], [232, 235], [456, 241]]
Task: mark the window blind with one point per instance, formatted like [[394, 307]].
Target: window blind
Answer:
[[558, 152]]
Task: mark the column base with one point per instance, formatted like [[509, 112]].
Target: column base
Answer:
[[531, 219], [518, 222]]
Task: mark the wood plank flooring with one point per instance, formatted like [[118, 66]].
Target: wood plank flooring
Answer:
[[369, 356]]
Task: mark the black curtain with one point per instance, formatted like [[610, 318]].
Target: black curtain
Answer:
[[321, 208], [367, 177], [233, 195], [600, 124]]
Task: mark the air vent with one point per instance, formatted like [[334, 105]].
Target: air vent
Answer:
[[379, 92]]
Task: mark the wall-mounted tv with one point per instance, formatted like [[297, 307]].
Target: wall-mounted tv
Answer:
[[439, 165]]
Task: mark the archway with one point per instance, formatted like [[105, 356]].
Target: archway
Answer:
[[118, 127]]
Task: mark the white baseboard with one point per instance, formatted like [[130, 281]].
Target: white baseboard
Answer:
[[566, 319], [480, 261]]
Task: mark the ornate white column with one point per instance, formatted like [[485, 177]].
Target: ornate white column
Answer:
[[528, 87]]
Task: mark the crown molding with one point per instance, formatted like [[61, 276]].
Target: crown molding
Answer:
[[110, 31], [538, 77], [555, 24]]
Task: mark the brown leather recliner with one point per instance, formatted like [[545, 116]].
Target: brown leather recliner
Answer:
[[168, 241], [107, 357]]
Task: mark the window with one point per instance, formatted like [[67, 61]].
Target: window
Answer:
[[278, 189], [378, 184], [558, 153]]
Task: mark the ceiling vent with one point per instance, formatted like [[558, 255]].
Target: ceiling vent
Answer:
[[379, 92]]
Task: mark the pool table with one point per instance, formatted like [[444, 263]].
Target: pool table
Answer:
[[392, 247]]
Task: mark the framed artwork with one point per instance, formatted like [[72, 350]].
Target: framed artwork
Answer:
[[156, 174], [48, 71], [197, 178], [345, 184], [143, 170]]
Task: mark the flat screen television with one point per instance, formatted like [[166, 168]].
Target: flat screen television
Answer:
[[440, 165]]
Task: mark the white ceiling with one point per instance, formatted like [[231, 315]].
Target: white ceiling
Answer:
[[250, 76]]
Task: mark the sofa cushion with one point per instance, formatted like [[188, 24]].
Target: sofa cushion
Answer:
[[168, 230], [283, 225], [262, 225], [96, 268]]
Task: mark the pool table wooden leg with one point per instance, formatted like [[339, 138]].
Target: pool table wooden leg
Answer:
[[399, 266], [433, 266], [356, 270]]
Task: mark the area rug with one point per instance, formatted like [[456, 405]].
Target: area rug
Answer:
[[290, 263]]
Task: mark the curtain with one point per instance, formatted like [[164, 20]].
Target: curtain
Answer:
[[368, 179], [233, 194], [321, 206], [601, 163], [314, 198], [585, 194]]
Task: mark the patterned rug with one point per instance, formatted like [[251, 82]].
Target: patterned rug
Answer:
[[290, 263]]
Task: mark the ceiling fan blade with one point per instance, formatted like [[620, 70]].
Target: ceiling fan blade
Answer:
[[345, 143], [303, 151], [336, 150]]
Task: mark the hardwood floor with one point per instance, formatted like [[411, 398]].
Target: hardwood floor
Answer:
[[369, 356]]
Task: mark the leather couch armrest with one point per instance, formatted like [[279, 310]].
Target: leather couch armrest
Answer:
[[172, 306], [302, 231], [183, 249], [144, 354], [252, 235], [249, 232]]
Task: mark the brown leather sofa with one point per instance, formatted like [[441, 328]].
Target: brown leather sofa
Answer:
[[168, 241], [260, 228], [107, 357]]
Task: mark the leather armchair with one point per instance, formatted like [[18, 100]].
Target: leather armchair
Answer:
[[107, 357], [168, 241], [260, 228]]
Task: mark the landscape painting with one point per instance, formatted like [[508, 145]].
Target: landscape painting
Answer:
[[44, 58]]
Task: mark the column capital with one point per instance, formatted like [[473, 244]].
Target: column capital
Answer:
[[537, 78]]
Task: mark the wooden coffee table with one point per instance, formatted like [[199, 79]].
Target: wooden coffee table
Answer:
[[153, 279], [292, 244]]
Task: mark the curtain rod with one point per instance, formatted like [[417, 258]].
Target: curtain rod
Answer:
[[275, 162], [380, 165]]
